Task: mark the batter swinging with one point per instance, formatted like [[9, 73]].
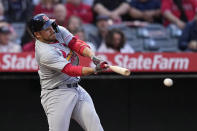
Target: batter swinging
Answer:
[[61, 96]]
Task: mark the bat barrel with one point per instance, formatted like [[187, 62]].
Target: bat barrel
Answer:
[[120, 70]]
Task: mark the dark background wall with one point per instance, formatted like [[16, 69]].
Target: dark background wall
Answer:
[[122, 104]]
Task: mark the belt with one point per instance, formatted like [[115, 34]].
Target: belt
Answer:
[[72, 85], [67, 85]]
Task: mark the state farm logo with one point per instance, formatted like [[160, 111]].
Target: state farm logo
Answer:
[[15, 62], [157, 62]]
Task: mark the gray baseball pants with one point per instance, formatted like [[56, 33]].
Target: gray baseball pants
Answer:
[[61, 105]]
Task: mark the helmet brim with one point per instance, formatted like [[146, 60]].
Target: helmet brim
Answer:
[[48, 24]]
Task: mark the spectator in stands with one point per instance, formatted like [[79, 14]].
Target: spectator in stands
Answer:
[[17, 10], [178, 12], [78, 8], [13, 33], [74, 23], [46, 7], [5, 43], [60, 14], [17, 13], [35, 2], [113, 9], [28, 42], [102, 24], [88, 2], [29, 47], [2, 16], [145, 10], [115, 41], [80, 33], [188, 39]]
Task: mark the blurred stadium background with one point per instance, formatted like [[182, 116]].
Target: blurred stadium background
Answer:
[[135, 103]]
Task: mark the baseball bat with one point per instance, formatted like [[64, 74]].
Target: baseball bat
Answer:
[[120, 70]]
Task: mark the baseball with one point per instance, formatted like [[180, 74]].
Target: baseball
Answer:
[[168, 82]]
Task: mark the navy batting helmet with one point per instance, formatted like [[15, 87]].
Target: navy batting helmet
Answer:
[[40, 22]]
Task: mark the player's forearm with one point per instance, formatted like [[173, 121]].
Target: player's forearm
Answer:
[[74, 71], [87, 71], [87, 52], [79, 46], [99, 68]]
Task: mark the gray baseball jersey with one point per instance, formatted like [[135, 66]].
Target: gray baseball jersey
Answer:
[[52, 58], [64, 103]]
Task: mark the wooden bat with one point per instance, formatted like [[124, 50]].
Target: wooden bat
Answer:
[[120, 70]]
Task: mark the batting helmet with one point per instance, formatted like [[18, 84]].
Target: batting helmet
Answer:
[[40, 22]]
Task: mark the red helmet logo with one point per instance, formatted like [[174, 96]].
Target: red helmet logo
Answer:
[[45, 18]]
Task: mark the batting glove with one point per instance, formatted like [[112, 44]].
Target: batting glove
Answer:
[[101, 67], [97, 60]]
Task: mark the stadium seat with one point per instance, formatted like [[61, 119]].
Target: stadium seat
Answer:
[[19, 28], [157, 38], [174, 31], [90, 29], [136, 44]]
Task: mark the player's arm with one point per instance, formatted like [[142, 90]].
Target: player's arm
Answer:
[[77, 45], [83, 49], [55, 61], [87, 52], [72, 70]]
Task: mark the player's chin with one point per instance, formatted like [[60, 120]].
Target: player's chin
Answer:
[[52, 37]]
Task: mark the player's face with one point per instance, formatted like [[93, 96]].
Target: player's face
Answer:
[[47, 35]]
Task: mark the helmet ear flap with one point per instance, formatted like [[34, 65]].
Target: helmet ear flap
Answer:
[[30, 33], [30, 29], [54, 26]]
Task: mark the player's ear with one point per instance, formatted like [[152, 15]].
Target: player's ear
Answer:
[[37, 34]]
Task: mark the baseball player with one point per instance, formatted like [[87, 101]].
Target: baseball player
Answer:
[[62, 97]]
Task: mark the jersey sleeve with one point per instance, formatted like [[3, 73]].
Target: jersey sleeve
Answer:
[[53, 60], [64, 36], [166, 5]]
